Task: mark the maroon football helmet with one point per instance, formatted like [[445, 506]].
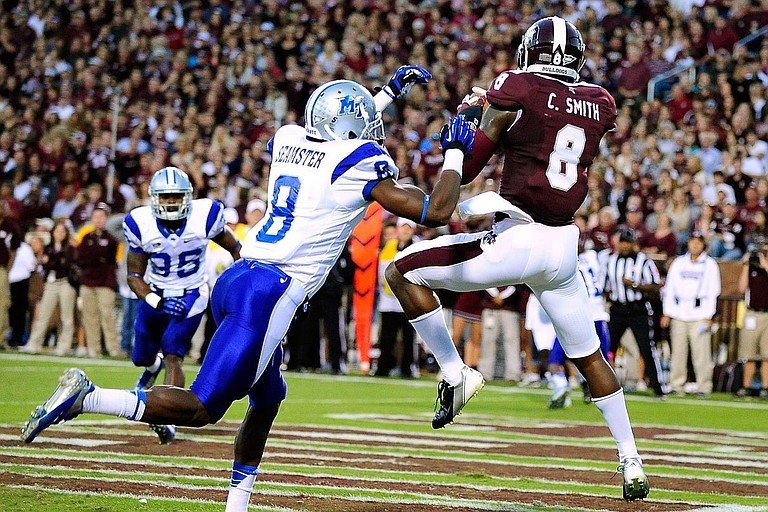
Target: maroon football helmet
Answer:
[[552, 46]]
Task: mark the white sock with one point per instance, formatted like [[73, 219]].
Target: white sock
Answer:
[[240, 486], [433, 330], [559, 381], [156, 365], [614, 411], [116, 402]]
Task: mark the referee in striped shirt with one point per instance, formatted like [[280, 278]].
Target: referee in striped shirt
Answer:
[[629, 277]]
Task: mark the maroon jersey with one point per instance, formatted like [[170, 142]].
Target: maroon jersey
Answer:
[[548, 150]]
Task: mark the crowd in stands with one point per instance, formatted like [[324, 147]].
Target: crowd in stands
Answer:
[[203, 85]]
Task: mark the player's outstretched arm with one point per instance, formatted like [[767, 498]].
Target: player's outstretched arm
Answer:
[[227, 240], [400, 84], [491, 125], [432, 209]]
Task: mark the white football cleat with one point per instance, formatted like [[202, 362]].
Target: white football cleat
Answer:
[[452, 399], [635, 481]]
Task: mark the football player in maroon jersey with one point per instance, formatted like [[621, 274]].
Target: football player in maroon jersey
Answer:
[[548, 124]]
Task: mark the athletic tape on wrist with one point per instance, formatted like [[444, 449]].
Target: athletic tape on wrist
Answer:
[[454, 160], [153, 299]]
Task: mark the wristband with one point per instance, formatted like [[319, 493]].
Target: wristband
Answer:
[[153, 299], [454, 160], [427, 198], [135, 274]]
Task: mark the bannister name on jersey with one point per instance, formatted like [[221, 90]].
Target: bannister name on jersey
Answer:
[[300, 156]]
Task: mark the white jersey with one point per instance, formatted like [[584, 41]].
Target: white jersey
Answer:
[[590, 269], [176, 260], [319, 192]]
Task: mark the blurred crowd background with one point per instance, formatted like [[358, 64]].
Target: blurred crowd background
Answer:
[[204, 84]]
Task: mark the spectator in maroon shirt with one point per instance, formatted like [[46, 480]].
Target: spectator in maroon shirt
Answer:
[[600, 235], [34, 207], [97, 256], [698, 38], [662, 240], [721, 36], [647, 192], [355, 58], [633, 75], [614, 19], [635, 220], [728, 242], [12, 206], [679, 104], [739, 181], [750, 208], [88, 199]]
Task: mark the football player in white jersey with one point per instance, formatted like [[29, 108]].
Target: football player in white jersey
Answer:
[[322, 179], [166, 270]]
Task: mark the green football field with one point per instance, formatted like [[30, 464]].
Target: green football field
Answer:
[[353, 443]]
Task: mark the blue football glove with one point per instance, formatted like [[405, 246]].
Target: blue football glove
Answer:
[[404, 78], [174, 306], [459, 134]]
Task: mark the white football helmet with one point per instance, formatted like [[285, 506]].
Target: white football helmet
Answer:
[[342, 110], [170, 181]]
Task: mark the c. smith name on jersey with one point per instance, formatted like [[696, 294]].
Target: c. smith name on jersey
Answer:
[[575, 106], [300, 156]]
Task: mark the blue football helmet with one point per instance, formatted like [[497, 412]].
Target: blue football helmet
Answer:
[[342, 110], [170, 181]]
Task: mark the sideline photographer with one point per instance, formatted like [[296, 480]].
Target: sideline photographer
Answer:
[[753, 343]]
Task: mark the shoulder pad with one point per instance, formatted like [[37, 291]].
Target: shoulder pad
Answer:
[[509, 90]]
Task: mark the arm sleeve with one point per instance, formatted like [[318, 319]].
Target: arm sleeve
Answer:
[[364, 168], [214, 224], [132, 234]]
